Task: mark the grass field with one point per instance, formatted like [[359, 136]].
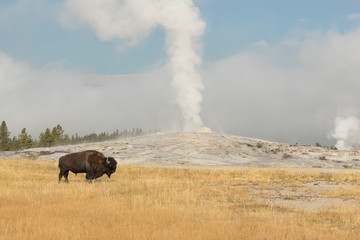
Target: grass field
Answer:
[[167, 203]]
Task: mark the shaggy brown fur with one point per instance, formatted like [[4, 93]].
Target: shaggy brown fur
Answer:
[[91, 162]]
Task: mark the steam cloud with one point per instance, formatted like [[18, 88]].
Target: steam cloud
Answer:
[[347, 133], [133, 20]]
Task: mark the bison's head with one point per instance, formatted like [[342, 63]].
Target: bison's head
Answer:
[[110, 166]]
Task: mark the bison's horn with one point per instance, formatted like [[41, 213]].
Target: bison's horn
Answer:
[[107, 161]]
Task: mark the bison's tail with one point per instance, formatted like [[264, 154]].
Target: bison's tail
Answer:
[[60, 161]]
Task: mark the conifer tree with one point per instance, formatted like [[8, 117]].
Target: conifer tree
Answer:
[[57, 134], [5, 141], [66, 139], [15, 144], [45, 139], [25, 140]]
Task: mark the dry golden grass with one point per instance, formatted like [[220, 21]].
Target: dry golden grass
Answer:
[[162, 203], [344, 193]]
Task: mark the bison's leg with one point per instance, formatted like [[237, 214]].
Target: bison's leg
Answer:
[[66, 174], [62, 172], [90, 175], [60, 175]]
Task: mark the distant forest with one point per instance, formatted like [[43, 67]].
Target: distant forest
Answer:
[[57, 137]]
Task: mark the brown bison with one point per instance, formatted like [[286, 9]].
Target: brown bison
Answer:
[[91, 162]]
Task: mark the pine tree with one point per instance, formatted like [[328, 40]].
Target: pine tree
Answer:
[[5, 141], [57, 134], [72, 140], [66, 139], [46, 139], [25, 140], [15, 144]]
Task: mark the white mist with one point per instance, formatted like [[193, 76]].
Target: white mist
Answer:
[[347, 133]]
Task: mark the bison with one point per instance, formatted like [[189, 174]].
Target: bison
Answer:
[[91, 162]]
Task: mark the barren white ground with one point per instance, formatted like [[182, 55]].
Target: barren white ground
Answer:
[[196, 149]]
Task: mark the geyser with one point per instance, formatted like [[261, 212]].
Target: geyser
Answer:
[[133, 20], [204, 130], [347, 133]]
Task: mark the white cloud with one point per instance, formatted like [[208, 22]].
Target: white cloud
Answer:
[[303, 20], [37, 99], [12, 74], [292, 43], [354, 17], [261, 43], [286, 97]]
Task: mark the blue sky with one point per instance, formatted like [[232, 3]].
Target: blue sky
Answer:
[[279, 70], [33, 33]]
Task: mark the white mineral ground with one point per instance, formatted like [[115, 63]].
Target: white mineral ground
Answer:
[[204, 149]]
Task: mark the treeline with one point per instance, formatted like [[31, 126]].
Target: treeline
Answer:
[[331, 147], [56, 137]]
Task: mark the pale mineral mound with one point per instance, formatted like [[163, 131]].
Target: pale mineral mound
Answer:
[[204, 130], [203, 148]]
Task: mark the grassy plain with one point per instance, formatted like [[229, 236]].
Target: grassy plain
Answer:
[[166, 203]]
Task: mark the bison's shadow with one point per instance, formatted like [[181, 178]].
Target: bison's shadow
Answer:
[[87, 181]]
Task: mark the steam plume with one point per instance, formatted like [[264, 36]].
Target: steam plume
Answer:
[[133, 20], [347, 133]]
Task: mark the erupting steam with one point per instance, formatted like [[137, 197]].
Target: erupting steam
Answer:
[[134, 19], [347, 133]]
